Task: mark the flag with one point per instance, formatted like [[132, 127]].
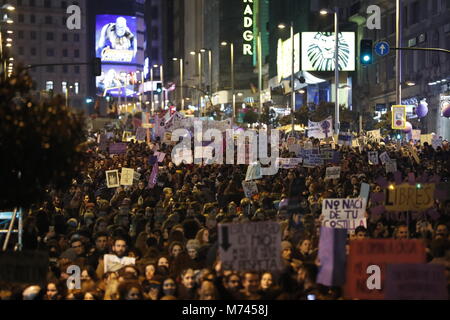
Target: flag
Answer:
[[153, 177], [332, 256]]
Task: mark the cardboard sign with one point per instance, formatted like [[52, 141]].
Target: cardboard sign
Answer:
[[126, 136], [426, 138], [127, 177], [373, 157], [344, 213], [250, 188], [250, 246], [374, 134], [379, 252], [333, 173], [384, 157], [406, 197], [112, 179], [114, 263], [391, 166], [27, 267], [118, 148], [416, 282], [141, 134], [415, 135]]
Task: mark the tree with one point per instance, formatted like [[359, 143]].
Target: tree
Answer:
[[42, 142]]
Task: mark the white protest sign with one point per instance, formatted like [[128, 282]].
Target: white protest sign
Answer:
[[415, 135], [374, 134], [333, 173], [112, 179], [250, 246], [114, 263], [391, 166], [295, 148], [250, 188], [373, 157], [384, 157], [322, 129], [253, 172], [288, 163], [126, 177], [344, 213]]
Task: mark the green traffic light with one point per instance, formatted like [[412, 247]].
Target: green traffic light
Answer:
[[366, 58]]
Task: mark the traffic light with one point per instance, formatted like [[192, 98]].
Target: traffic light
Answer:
[[97, 67], [158, 87], [366, 55]]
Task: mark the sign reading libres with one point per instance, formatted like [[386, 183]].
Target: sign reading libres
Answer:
[[248, 28]]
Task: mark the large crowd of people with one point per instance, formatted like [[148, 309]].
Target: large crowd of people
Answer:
[[171, 229]]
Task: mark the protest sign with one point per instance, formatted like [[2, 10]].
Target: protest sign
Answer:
[[406, 197], [384, 157], [118, 148], [136, 176], [141, 134], [344, 213], [160, 156], [24, 267], [415, 135], [322, 129], [391, 166], [326, 152], [426, 138], [250, 246], [364, 192], [332, 173], [126, 135], [416, 282], [126, 177], [250, 188], [312, 158], [253, 172], [114, 263], [332, 256], [345, 138], [373, 157], [182, 155], [413, 153], [295, 148], [112, 179], [289, 163], [398, 117], [153, 179], [379, 252], [291, 141]]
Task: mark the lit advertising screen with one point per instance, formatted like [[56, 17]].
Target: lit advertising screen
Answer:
[[318, 51], [117, 80], [116, 38]]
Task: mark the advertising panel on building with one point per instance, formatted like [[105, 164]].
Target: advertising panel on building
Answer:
[[117, 78], [116, 38], [318, 51]]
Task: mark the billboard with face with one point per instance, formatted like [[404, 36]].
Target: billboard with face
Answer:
[[318, 51], [117, 80], [116, 38]]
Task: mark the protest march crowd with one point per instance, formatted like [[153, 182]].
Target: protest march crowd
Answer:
[[158, 238]]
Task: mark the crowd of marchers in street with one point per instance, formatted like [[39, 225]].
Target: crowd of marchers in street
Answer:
[[171, 229]]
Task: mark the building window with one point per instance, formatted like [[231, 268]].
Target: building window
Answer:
[[21, 34], [65, 69], [50, 52], [63, 4], [77, 69], [32, 18], [77, 88], [76, 37], [434, 5], [155, 13], [405, 17], [21, 51], [76, 53], [49, 85], [65, 53], [47, 4], [50, 69], [415, 14], [32, 3], [155, 54], [48, 20], [64, 86], [64, 37], [21, 18], [33, 51], [33, 35], [50, 36]]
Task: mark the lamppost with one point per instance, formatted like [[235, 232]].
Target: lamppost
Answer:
[[398, 57], [282, 26], [199, 70], [224, 44], [181, 81], [209, 51], [336, 63], [7, 7]]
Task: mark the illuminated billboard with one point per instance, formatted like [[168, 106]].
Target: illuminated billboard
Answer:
[[284, 57], [117, 80], [116, 38], [318, 51]]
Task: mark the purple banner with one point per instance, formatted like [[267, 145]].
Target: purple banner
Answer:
[[153, 176], [118, 148], [332, 256]]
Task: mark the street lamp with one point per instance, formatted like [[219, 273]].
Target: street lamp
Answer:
[[336, 63], [224, 44], [6, 19], [181, 81], [282, 26]]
